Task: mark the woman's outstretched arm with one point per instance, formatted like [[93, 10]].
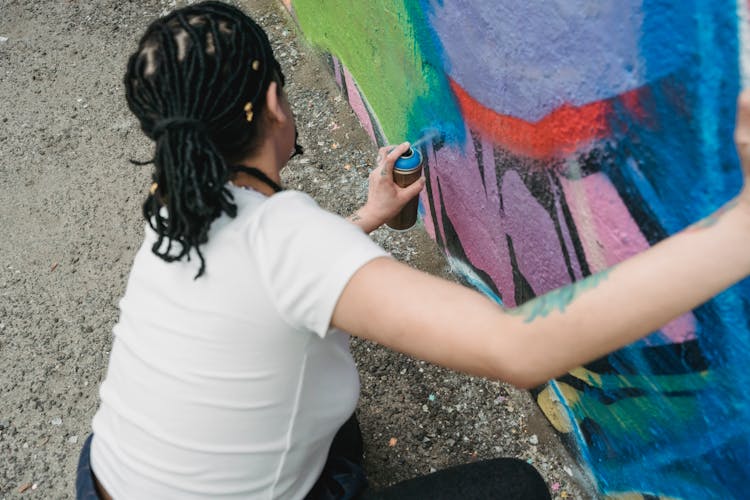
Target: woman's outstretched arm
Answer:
[[432, 319]]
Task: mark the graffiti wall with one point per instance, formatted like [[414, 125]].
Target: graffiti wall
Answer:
[[562, 137]]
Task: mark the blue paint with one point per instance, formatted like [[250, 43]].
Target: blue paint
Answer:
[[438, 110], [681, 164]]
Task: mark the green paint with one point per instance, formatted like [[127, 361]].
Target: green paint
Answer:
[[683, 382], [385, 46], [641, 419], [558, 299]]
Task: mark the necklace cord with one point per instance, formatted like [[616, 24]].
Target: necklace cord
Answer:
[[258, 174]]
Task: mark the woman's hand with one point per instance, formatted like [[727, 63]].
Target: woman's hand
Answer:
[[385, 198], [742, 141]]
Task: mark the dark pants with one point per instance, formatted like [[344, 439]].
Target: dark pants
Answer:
[[343, 477], [85, 486], [500, 478]]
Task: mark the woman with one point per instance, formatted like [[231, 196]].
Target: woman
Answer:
[[230, 375]]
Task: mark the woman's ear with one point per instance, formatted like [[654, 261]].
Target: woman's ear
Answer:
[[274, 104]]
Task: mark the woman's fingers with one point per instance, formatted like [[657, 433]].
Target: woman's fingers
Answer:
[[413, 189], [392, 155], [382, 153], [742, 131], [397, 151]]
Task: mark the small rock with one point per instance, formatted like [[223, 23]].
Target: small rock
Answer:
[[56, 421], [73, 439], [534, 439], [3, 39], [4, 424], [568, 471]]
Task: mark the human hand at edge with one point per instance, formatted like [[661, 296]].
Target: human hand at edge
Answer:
[[385, 198], [742, 142]]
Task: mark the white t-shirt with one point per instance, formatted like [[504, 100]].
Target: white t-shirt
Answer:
[[232, 385]]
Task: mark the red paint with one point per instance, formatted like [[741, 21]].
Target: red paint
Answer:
[[562, 132]]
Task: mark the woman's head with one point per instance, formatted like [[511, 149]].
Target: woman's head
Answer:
[[198, 85]]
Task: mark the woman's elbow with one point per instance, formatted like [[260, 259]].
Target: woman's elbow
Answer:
[[516, 368]]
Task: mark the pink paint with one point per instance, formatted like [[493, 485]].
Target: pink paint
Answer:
[[479, 226], [608, 233], [680, 330], [572, 257], [607, 230], [490, 175], [358, 105], [433, 179], [535, 241], [475, 213]]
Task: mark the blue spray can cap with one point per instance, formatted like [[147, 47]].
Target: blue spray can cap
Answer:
[[410, 160]]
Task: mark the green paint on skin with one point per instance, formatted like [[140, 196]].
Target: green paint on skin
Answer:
[[557, 299], [379, 43]]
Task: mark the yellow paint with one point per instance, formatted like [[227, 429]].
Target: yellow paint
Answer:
[[554, 410]]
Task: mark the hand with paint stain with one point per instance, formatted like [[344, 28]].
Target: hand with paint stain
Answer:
[[385, 198]]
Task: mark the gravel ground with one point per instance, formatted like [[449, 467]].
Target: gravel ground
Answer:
[[70, 221]]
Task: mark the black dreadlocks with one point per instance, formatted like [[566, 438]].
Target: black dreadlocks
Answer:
[[189, 83]]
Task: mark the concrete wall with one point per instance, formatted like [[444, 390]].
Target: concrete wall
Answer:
[[572, 134]]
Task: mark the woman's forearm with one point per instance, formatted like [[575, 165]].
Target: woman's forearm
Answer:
[[578, 323]]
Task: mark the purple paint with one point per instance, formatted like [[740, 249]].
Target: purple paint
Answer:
[[498, 66], [540, 258]]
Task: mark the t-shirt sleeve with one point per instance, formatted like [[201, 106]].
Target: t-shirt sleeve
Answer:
[[306, 256]]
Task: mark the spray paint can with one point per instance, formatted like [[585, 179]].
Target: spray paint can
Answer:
[[407, 170]]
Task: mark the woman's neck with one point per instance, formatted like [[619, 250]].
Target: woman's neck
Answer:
[[241, 179], [268, 164]]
